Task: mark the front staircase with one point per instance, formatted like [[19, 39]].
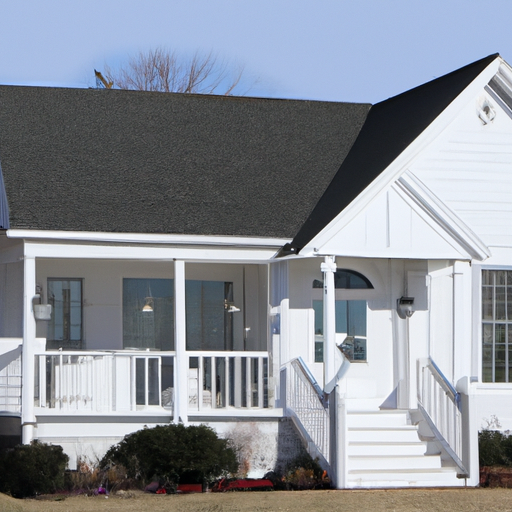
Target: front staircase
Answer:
[[376, 448], [385, 450]]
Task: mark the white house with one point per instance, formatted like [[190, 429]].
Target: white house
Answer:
[[333, 274]]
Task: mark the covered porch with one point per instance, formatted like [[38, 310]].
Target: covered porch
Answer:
[[139, 329]]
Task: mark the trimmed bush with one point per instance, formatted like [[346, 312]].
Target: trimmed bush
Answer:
[[495, 448], [27, 470], [173, 454]]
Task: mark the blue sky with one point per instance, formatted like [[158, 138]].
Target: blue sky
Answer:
[[334, 50]]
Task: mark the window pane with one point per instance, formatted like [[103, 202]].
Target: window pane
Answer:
[[349, 279], [357, 318], [153, 387], [487, 292], [359, 349], [318, 307], [319, 351], [499, 333], [350, 320], [341, 316], [55, 298], [487, 277], [499, 305], [65, 326], [487, 334], [140, 382], [148, 329], [209, 325], [75, 310]]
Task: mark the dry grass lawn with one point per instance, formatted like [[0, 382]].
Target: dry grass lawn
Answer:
[[488, 500]]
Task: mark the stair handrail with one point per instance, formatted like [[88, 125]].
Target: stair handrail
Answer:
[[444, 383], [308, 407], [311, 378], [447, 428]]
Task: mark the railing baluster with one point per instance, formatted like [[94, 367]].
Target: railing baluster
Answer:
[[227, 382], [441, 405], [304, 400], [260, 382]]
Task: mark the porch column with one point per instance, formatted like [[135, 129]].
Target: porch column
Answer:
[[28, 419], [328, 267], [462, 353], [180, 345]]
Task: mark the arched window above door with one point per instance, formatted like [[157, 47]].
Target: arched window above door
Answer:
[[347, 280]]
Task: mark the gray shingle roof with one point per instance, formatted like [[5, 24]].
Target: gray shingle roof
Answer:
[[124, 161]]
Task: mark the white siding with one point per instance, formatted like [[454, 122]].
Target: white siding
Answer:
[[469, 167]]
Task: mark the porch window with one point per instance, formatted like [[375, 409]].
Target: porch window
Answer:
[[350, 316], [209, 319], [65, 326], [496, 326], [148, 313]]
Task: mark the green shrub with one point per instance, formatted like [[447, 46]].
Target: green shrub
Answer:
[[37, 468], [495, 448], [173, 454]]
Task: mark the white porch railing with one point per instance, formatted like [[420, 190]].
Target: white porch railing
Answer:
[[218, 380], [440, 405], [10, 381], [306, 405], [104, 382]]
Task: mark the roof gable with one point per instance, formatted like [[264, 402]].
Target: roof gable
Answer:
[[391, 126], [406, 220]]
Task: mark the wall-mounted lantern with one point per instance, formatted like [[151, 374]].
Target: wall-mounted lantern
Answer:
[[404, 307], [41, 311]]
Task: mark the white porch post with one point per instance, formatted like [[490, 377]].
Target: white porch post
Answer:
[[180, 345], [461, 326], [328, 267], [28, 419]]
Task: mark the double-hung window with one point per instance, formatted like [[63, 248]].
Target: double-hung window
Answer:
[[497, 326]]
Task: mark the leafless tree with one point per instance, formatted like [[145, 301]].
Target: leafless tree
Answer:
[[166, 71]]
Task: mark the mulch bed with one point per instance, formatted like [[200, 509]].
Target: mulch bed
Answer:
[[496, 476]]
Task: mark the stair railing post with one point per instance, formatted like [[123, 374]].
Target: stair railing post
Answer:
[[328, 268], [339, 441]]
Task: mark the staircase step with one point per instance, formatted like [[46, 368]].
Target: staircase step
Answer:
[[406, 433], [378, 419], [394, 462], [380, 448], [443, 477]]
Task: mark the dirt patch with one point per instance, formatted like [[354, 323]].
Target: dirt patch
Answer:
[[448, 500]]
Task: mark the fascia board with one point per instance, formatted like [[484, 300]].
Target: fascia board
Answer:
[[141, 238], [403, 161], [153, 253], [409, 186]]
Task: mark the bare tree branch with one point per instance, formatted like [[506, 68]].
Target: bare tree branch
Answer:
[[165, 71]]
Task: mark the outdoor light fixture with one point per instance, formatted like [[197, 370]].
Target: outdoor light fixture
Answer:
[[404, 307], [41, 311], [148, 307]]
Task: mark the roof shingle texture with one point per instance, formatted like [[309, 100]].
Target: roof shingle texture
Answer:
[[125, 161]]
